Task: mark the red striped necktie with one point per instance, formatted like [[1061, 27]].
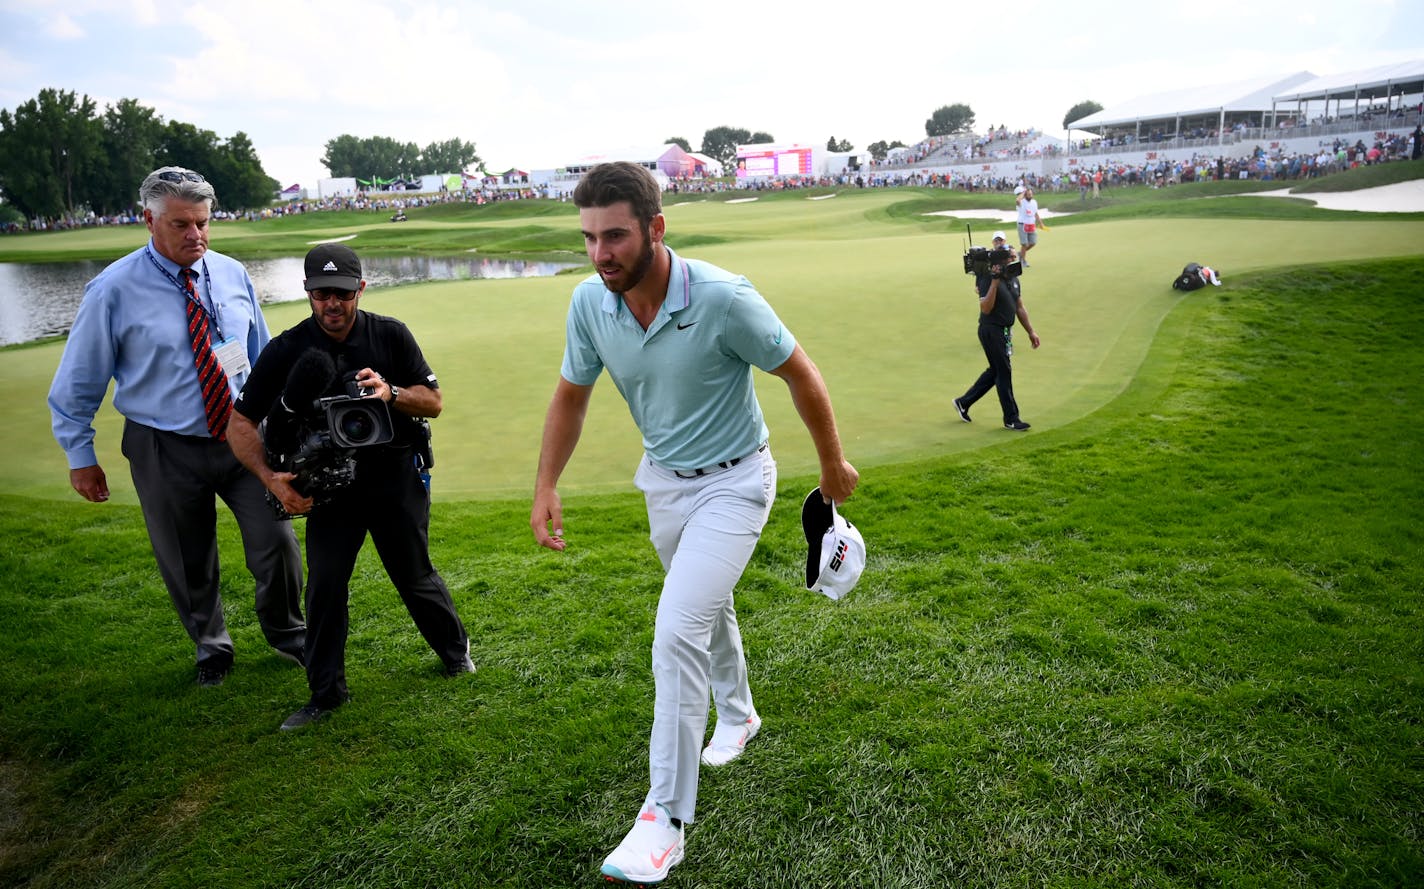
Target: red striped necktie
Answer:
[[217, 397]]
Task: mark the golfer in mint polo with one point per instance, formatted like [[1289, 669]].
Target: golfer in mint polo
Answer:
[[679, 338]]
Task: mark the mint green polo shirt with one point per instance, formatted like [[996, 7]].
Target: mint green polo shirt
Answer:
[[687, 379]]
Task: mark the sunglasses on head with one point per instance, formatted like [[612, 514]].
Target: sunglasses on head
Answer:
[[180, 176]]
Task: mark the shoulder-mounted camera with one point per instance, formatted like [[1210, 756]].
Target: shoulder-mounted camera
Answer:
[[981, 261], [317, 440]]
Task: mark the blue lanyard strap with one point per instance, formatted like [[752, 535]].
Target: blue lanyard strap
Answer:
[[212, 315]]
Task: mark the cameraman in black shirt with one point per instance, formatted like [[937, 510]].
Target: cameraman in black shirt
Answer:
[[999, 304], [341, 349]]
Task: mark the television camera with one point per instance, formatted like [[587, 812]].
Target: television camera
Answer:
[[981, 260], [317, 438]]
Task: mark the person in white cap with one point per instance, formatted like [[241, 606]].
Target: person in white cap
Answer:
[[1029, 221], [679, 338]]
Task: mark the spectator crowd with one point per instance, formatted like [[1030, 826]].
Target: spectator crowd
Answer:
[[999, 143]]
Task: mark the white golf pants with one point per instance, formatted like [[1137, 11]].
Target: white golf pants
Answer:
[[704, 530]]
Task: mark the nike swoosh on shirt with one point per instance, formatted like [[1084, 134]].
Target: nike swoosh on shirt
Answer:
[[685, 326], [777, 341]]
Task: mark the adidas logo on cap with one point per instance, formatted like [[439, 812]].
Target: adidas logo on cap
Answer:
[[332, 266]]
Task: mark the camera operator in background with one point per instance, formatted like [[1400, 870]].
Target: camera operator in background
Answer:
[[339, 351], [996, 280]]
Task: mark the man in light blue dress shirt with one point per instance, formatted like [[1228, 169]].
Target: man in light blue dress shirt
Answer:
[[133, 327], [679, 339]]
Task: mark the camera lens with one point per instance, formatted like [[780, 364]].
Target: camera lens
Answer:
[[357, 426]]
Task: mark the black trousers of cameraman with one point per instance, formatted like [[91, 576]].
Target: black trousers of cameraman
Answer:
[[389, 501], [1000, 373]]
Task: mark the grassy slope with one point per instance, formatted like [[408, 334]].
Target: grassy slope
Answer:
[[1174, 643]]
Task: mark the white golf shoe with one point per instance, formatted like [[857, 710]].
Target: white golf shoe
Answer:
[[728, 741], [649, 850]]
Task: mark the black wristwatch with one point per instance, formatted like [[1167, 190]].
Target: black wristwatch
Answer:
[[395, 393]]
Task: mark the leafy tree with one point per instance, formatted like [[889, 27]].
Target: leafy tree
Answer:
[[130, 137], [842, 145], [720, 143], [58, 157], [343, 156], [186, 145], [879, 150], [1080, 111], [450, 156], [49, 149], [679, 141], [378, 157], [232, 167], [239, 178], [949, 120]]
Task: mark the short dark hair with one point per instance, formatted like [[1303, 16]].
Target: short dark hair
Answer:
[[607, 184]]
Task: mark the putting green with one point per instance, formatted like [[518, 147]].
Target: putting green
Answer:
[[883, 308]]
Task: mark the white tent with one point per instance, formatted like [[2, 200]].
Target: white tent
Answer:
[[710, 164], [1382, 82], [1212, 103]]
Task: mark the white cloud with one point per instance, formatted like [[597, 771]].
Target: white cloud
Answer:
[[62, 27]]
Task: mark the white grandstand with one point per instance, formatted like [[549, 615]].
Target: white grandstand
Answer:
[[1292, 114], [1282, 115]]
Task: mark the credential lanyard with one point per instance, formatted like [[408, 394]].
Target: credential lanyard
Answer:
[[213, 315]]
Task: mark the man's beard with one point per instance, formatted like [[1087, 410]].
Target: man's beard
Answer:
[[640, 271]]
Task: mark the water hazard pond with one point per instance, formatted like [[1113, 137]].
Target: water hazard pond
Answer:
[[38, 300]]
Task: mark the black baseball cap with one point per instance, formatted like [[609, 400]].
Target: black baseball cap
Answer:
[[334, 266]]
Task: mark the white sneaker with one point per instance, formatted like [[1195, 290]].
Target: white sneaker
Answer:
[[649, 850], [728, 741]]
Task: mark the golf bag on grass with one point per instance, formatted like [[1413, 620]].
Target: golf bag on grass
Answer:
[[1195, 276]]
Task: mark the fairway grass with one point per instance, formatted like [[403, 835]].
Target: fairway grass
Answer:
[[887, 314]]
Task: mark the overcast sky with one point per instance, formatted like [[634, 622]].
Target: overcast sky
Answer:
[[537, 83]]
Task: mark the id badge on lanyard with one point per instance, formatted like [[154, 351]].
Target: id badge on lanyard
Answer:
[[229, 351], [232, 355]]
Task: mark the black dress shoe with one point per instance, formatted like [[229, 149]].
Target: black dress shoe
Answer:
[[459, 668], [307, 715], [211, 676], [462, 666]]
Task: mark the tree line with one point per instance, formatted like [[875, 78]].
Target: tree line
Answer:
[[380, 158], [59, 156]]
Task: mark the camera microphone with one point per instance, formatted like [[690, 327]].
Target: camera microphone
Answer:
[[312, 374]]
